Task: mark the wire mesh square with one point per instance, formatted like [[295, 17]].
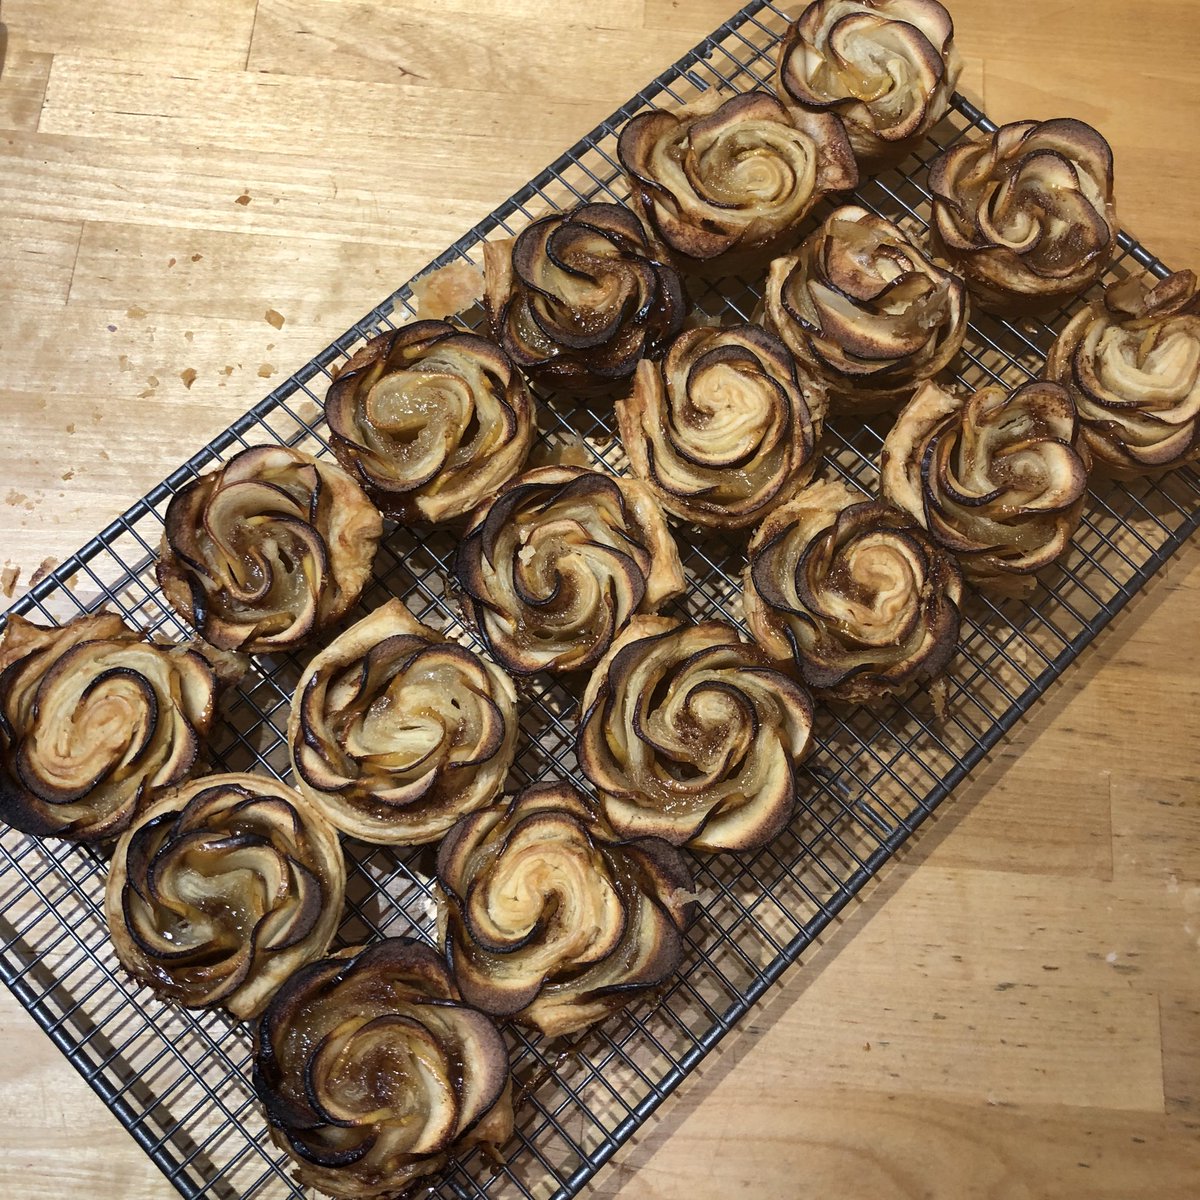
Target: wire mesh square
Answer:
[[179, 1081]]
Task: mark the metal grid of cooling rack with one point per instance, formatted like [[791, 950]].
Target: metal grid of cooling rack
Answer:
[[179, 1082]]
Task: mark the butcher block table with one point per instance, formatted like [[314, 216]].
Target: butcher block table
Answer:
[[196, 197]]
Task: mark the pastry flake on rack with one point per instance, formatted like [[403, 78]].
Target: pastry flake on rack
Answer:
[[854, 592], [887, 68], [268, 549], [577, 298], [395, 731], [864, 309], [998, 478], [689, 734], [373, 1072], [724, 427], [1131, 362], [1026, 213], [726, 179], [94, 718], [556, 565], [221, 889], [553, 920], [430, 419]]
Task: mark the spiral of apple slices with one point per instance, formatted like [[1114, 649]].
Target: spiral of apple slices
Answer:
[[373, 1072], [266, 551], [556, 565], [429, 419], [688, 734], [550, 918], [887, 68], [396, 732], [726, 178], [854, 592], [998, 478], [221, 889], [94, 718], [1131, 362], [725, 427]]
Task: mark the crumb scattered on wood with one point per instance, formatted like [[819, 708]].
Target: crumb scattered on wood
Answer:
[[14, 497], [71, 427], [275, 318], [69, 474], [135, 311], [8, 578], [188, 335], [48, 565], [197, 257], [111, 328], [243, 199], [448, 290], [265, 371], [123, 363], [188, 375], [170, 262], [104, 454]]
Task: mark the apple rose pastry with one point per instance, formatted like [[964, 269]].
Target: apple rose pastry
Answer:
[[724, 427], [862, 307], [430, 419], [998, 478], [373, 1072], [221, 889], [689, 735], [550, 918], [724, 180], [559, 562], [853, 591], [93, 718], [396, 732], [1026, 215], [887, 67], [577, 298], [267, 550], [1131, 362]]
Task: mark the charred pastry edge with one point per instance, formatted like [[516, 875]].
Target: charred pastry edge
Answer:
[[597, 699], [860, 684], [835, 170], [562, 366], [21, 640], [1131, 305], [1005, 290], [396, 615], [653, 857], [492, 1125], [986, 567], [664, 580], [249, 996], [402, 500], [804, 395], [360, 524]]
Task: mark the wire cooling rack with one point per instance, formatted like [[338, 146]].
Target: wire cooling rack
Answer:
[[179, 1081]]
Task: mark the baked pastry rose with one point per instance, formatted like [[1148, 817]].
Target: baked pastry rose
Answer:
[[689, 735], [998, 478], [373, 1072], [1026, 215], [861, 307], [552, 920], [577, 298], [267, 550], [1131, 362], [221, 889], [396, 732], [724, 427], [93, 718], [853, 591], [887, 67], [559, 562], [726, 179], [429, 419]]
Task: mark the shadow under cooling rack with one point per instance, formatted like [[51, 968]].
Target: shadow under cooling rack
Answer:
[[179, 1081]]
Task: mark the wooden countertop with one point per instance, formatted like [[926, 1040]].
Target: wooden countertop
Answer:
[[1015, 1011]]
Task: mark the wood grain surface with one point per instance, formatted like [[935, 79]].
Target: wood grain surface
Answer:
[[1014, 1010]]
